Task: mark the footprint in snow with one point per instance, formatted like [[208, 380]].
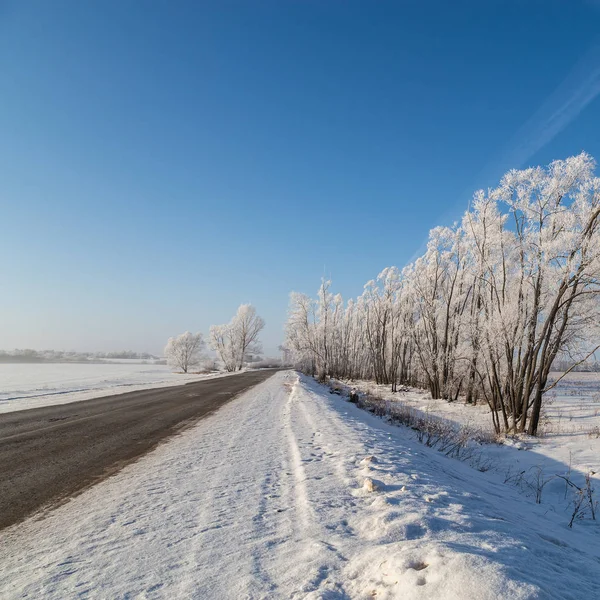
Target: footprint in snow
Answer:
[[414, 531]]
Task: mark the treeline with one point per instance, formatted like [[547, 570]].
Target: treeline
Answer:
[[29, 355], [487, 309]]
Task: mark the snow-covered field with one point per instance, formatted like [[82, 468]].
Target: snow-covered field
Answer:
[[24, 386], [291, 492]]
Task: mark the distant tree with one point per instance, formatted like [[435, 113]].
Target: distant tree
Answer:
[[247, 325], [234, 341], [184, 351], [286, 355], [222, 342]]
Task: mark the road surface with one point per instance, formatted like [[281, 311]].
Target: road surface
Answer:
[[49, 454]]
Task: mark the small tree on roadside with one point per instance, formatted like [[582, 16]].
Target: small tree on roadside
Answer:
[[222, 342], [184, 351], [246, 326], [233, 341]]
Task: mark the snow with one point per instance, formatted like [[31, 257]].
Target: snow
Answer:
[[569, 444], [267, 499], [421, 400], [24, 386]]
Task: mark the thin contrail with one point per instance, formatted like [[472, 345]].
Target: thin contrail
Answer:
[[579, 88]]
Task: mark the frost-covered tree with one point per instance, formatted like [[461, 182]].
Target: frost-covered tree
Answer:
[[246, 327], [235, 340], [542, 280], [184, 351], [222, 341], [488, 307]]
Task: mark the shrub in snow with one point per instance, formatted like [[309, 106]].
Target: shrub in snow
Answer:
[[583, 500], [453, 440]]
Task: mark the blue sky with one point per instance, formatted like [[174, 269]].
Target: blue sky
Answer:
[[163, 162]]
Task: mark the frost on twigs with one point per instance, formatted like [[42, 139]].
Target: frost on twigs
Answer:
[[583, 501], [235, 341], [184, 351], [482, 315]]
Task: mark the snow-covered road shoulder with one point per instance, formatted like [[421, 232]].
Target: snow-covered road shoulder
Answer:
[[289, 492]]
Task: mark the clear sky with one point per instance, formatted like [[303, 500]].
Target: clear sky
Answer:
[[163, 162]]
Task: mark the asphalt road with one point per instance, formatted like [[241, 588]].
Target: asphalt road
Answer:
[[49, 454]]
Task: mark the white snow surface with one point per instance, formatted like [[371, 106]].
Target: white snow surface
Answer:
[[290, 492], [568, 445], [24, 386]]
